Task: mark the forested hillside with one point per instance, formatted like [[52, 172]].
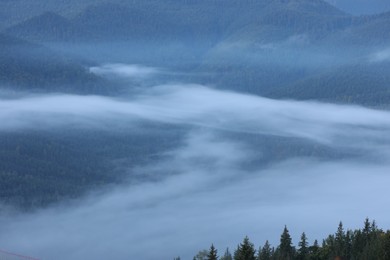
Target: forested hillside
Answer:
[[274, 48], [28, 66]]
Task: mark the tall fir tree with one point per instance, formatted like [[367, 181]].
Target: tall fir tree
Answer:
[[340, 242], [286, 250], [266, 252], [245, 251], [303, 251], [212, 255]]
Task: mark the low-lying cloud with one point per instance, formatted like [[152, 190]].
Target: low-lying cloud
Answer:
[[131, 71], [214, 202], [196, 105], [205, 193], [381, 56]]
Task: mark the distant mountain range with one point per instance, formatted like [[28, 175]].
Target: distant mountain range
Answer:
[[279, 48], [48, 26], [207, 20]]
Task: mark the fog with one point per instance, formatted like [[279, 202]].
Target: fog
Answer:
[[199, 106], [152, 129], [205, 191], [124, 70], [380, 56]]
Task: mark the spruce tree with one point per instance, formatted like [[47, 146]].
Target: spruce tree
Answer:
[[285, 247], [212, 255], [245, 251], [266, 252], [303, 251], [340, 243]]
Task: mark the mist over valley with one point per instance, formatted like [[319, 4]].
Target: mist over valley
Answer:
[[153, 129]]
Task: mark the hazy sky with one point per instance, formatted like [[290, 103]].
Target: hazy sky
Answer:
[[206, 191]]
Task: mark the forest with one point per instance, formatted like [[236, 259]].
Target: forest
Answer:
[[369, 242]]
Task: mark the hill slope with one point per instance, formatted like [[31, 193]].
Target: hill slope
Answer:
[[33, 67]]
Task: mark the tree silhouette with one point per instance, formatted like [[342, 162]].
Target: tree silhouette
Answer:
[[212, 255], [245, 251]]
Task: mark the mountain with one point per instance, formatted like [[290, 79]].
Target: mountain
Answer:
[[361, 7], [365, 83], [199, 20], [254, 46], [17, 11], [47, 27], [28, 66], [364, 31]]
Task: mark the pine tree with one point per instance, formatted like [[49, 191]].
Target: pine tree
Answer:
[[266, 252], [340, 245], [367, 232], [285, 247], [303, 251], [212, 255], [245, 251]]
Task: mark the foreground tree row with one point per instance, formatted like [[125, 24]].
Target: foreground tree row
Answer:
[[368, 243]]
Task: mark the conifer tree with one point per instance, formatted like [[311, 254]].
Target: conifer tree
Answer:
[[386, 246], [339, 241], [367, 231], [285, 247], [245, 251], [303, 251], [348, 244], [266, 252], [212, 255], [314, 251]]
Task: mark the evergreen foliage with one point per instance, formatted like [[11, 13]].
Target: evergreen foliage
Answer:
[[285, 248], [368, 243], [266, 252], [212, 255], [303, 251], [245, 251]]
